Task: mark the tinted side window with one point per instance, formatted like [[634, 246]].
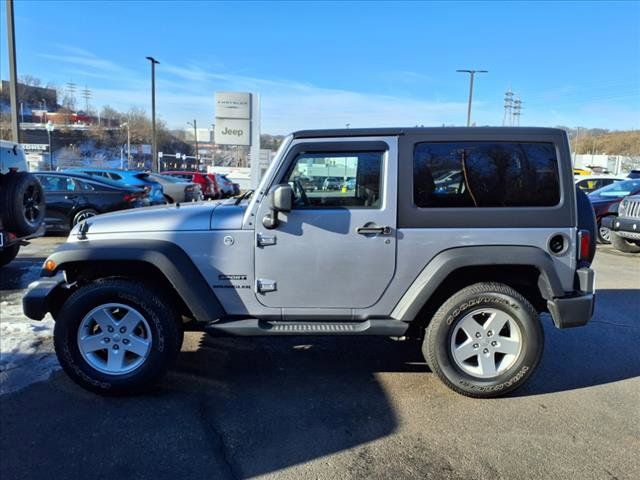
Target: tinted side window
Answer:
[[485, 174], [55, 183], [337, 179]]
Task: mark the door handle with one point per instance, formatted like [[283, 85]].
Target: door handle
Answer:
[[374, 229], [71, 197]]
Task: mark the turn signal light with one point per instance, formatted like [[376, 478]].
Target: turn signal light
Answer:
[[49, 265]]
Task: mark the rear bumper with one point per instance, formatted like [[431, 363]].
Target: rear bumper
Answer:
[[575, 309], [35, 303]]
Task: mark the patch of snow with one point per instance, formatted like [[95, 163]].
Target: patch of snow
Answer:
[[26, 347]]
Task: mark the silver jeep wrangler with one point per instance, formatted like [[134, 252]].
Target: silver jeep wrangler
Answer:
[[459, 237]]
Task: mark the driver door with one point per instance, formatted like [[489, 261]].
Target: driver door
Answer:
[[336, 248]]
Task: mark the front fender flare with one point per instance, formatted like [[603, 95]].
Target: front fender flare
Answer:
[[169, 258]]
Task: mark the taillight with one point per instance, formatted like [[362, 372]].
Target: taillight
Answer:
[[130, 197], [584, 239]]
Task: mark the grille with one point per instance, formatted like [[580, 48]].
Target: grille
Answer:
[[632, 209]]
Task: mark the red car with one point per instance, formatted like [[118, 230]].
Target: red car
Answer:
[[209, 186]]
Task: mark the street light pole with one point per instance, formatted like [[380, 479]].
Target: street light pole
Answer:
[[472, 74], [13, 74], [155, 162], [195, 135], [49, 128], [126, 124]]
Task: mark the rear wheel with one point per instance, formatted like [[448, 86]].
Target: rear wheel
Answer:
[[604, 235], [624, 245], [485, 341], [116, 336], [83, 215], [7, 254]]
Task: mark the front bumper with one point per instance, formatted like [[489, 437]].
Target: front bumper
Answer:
[[627, 227], [36, 301], [575, 309]]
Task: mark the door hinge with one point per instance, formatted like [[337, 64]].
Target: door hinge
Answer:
[[264, 285], [265, 240]]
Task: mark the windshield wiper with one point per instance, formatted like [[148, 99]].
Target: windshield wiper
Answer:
[[244, 196]]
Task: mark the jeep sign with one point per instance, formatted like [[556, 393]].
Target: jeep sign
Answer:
[[231, 131]]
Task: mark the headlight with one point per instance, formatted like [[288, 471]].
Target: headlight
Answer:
[[622, 206]]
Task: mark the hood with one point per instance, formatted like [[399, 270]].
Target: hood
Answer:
[[175, 217], [209, 215]]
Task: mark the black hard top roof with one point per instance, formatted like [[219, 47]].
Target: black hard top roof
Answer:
[[394, 131]]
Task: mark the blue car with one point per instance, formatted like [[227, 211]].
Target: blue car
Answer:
[[128, 177]]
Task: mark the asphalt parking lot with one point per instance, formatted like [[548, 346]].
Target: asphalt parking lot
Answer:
[[341, 407]]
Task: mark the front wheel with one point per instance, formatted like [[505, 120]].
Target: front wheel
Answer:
[[624, 245], [485, 341], [116, 336]]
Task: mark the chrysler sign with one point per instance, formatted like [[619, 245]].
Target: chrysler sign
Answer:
[[233, 105]]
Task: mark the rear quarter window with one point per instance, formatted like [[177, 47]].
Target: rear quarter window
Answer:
[[485, 174]]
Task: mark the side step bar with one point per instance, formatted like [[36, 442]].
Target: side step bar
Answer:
[[254, 327]]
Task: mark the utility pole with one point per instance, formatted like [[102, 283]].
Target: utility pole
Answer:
[[13, 75], [86, 94], [517, 111], [472, 74], [508, 104], [155, 162], [195, 135]]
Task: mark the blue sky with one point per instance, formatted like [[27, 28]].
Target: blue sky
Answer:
[[322, 65]]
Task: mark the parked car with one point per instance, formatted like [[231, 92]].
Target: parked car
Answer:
[[128, 177], [22, 202], [625, 226], [634, 174], [331, 183], [73, 197], [178, 189], [590, 183], [582, 171], [606, 199], [467, 272], [210, 189], [227, 187]]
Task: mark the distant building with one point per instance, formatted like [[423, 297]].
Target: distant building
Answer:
[[31, 97]]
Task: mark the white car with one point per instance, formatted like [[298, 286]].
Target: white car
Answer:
[[590, 183]]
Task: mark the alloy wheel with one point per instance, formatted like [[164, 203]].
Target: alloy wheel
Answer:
[[486, 343]]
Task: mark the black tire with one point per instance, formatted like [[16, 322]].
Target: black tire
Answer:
[[23, 203], [624, 245], [83, 214], [166, 335], [7, 254], [437, 349]]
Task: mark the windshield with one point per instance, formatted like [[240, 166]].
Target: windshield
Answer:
[[619, 189]]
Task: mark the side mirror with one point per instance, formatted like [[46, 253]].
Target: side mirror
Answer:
[[281, 198]]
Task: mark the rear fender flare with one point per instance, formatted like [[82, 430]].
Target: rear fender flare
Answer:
[[446, 262]]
